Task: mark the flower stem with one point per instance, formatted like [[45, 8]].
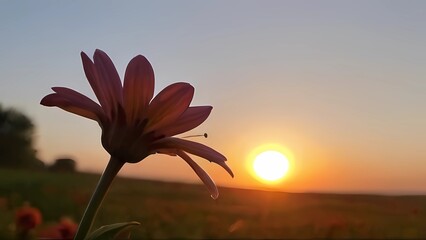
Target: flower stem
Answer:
[[113, 167]]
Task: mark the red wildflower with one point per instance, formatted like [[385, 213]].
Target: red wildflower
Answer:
[[27, 218]]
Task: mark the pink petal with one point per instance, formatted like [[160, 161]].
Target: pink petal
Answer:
[[57, 100], [81, 101], [194, 148], [205, 178], [96, 83], [109, 79], [168, 105], [75, 96], [138, 87], [191, 118], [170, 152]]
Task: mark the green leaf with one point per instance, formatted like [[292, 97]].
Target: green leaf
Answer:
[[109, 232]]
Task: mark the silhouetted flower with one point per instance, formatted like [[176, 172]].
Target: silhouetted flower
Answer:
[[134, 124], [27, 218]]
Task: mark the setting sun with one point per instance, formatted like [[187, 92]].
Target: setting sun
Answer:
[[270, 165]]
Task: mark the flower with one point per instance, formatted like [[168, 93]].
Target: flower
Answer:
[[134, 123], [27, 218], [65, 229]]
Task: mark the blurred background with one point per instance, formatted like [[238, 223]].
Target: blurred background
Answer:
[[339, 85]]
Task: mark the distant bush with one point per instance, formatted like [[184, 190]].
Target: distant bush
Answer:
[[63, 165], [16, 140]]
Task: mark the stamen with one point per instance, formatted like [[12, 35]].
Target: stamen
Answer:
[[196, 135]]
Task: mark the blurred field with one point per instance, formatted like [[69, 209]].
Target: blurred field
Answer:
[[172, 210]]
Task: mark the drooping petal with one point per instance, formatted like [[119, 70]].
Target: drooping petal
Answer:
[[109, 79], [138, 87], [170, 152], [57, 100], [194, 148], [191, 118], [169, 104], [205, 178], [99, 88]]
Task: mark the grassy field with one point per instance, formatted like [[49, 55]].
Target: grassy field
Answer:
[[172, 210]]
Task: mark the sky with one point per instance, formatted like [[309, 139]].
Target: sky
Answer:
[[340, 85]]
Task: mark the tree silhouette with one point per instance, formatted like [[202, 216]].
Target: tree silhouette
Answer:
[[16, 140], [63, 165]]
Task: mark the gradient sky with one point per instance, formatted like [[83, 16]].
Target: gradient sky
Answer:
[[339, 84]]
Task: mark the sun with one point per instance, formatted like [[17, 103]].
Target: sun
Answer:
[[270, 165]]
